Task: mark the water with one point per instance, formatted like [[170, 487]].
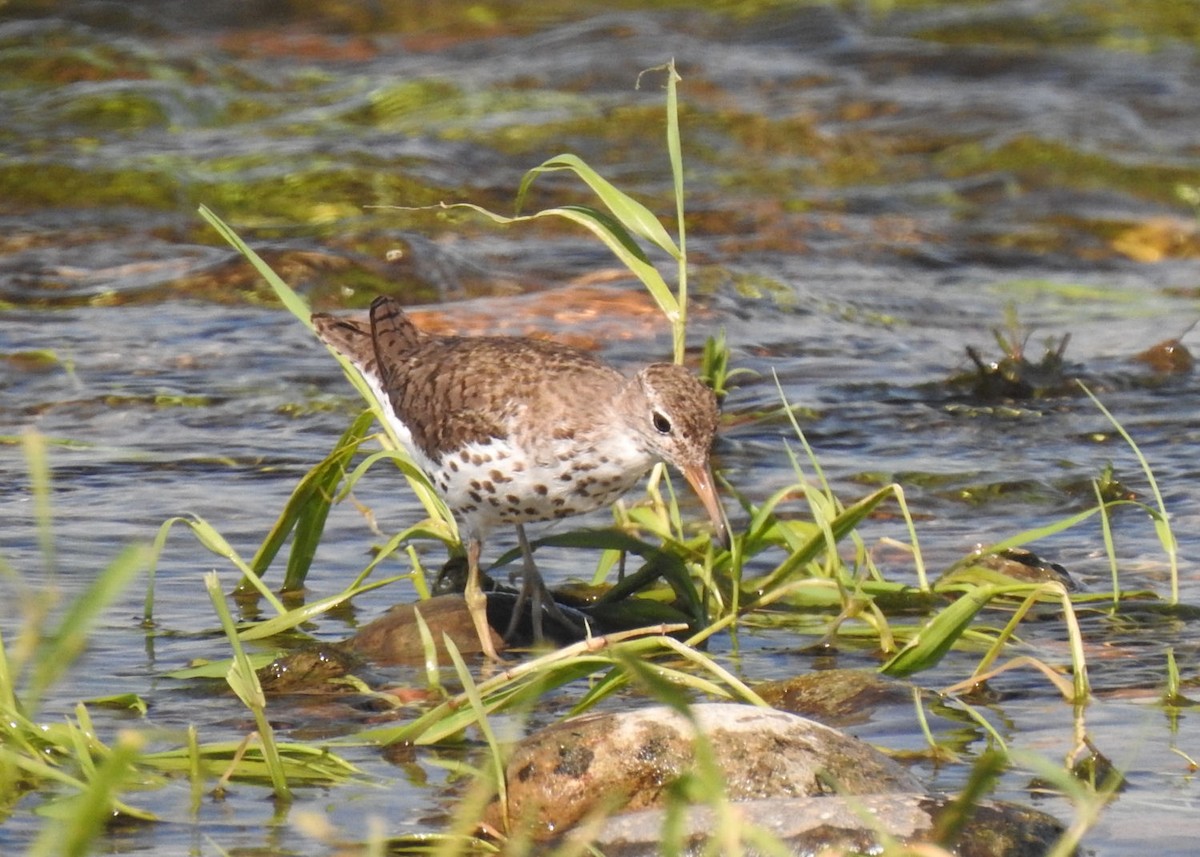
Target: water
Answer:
[[870, 190]]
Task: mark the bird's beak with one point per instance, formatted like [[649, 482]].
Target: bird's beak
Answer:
[[700, 477]]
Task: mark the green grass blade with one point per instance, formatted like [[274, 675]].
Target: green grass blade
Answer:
[[39, 480], [8, 691], [1110, 549], [674, 144], [295, 304], [441, 519], [218, 669], [310, 489], [208, 536], [519, 683], [298, 616], [630, 213], [1162, 525], [1026, 537], [918, 559], [312, 514], [611, 234], [675, 152], [194, 772], [244, 681], [78, 822], [303, 763], [838, 528], [939, 633], [617, 240], [301, 310], [471, 692]]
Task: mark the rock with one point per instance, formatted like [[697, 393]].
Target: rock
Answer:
[[841, 697], [394, 637], [311, 669], [837, 824], [629, 760]]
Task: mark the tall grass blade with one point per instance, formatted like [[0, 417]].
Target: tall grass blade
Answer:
[[675, 153], [38, 463], [613, 235], [83, 817], [918, 559], [208, 536], [1162, 524], [836, 530], [441, 521], [313, 511], [984, 773], [627, 211], [1109, 547], [939, 634], [308, 490], [301, 310], [298, 616], [244, 681], [471, 692], [1088, 803], [295, 304], [1025, 537]]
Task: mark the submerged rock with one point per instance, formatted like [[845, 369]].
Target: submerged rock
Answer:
[[837, 824], [395, 637], [1016, 565], [839, 697], [310, 669]]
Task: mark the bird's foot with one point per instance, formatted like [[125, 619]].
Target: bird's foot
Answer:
[[477, 607], [537, 598]]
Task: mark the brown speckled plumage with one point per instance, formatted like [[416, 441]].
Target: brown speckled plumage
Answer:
[[513, 430]]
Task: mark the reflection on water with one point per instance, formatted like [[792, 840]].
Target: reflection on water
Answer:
[[869, 191]]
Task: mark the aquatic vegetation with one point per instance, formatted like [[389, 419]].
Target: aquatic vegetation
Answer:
[[77, 775]]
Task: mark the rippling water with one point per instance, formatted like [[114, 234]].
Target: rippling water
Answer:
[[871, 189]]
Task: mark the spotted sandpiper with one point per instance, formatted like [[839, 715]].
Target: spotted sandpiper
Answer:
[[512, 430]]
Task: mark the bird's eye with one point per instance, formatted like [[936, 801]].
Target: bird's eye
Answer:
[[661, 424]]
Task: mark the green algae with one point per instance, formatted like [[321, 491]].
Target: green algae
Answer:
[[1052, 163], [1115, 25], [25, 185]]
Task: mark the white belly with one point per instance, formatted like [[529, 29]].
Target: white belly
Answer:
[[493, 483], [488, 484]]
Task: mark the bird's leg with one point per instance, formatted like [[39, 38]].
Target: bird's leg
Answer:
[[476, 600], [533, 591]]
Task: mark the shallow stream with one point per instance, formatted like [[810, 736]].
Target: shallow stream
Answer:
[[872, 189]]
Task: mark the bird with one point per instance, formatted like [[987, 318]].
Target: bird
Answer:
[[511, 430]]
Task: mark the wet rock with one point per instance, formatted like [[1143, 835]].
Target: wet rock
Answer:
[[837, 824], [1027, 567], [1169, 357], [842, 697], [394, 638], [307, 670], [1017, 565], [630, 760]]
